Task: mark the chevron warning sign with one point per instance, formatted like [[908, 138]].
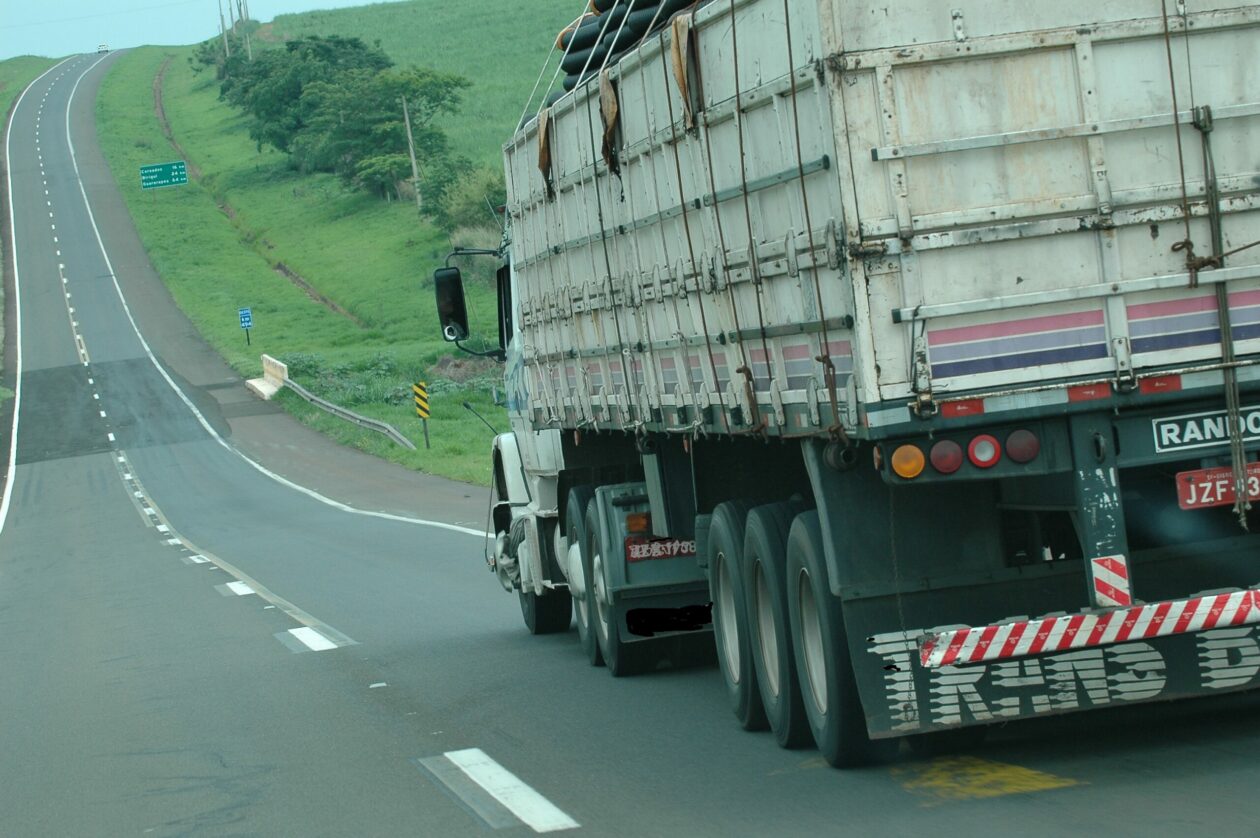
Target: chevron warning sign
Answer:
[[421, 391]]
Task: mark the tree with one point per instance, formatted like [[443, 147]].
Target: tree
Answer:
[[357, 116], [270, 87]]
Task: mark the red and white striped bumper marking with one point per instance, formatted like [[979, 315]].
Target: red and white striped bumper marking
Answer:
[[1111, 582], [957, 647]]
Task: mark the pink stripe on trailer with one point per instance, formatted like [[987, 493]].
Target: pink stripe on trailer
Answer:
[[1009, 328]]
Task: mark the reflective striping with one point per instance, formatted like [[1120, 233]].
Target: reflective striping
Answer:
[[534, 810], [960, 646], [1111, 582]]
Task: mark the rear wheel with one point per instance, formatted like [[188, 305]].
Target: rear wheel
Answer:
[[548, 612], [769, 635], [605, 621], [578, 567], [821, 650], [730, 616]]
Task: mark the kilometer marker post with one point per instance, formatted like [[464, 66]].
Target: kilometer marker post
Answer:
[[421, 392], [247, 322]]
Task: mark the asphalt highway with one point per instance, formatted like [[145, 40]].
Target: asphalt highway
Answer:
[[215, 622]]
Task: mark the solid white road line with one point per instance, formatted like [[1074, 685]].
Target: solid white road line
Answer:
[[10, 478], [312, 639], [536, 811], [311, 493]]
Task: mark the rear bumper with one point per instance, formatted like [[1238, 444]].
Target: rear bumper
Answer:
[[1026, 638]]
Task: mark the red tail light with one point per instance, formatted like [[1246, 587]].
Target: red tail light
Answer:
[[984, 451], [946, 456], [1023, 446]]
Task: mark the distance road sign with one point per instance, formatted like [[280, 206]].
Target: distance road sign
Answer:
[[163, 174]]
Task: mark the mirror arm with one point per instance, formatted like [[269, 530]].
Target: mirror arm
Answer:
[[471, 251], [497, 354]]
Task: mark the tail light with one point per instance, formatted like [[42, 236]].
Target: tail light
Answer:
[[1023, 446], [984, 451], [638, 522], [908, 461], [946, 456]]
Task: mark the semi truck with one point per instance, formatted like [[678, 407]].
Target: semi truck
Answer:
[[908, 354]]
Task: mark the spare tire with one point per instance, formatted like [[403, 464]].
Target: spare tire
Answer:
[[574, 62]]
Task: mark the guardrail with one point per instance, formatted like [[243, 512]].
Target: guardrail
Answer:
[[276, 375]]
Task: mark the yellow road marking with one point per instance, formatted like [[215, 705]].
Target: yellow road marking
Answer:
[[971, 778]]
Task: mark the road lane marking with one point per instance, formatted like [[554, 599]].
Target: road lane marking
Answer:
[[957, 778], [312, 639], [511, 801], [6, 496], [197, 414], [235, 589]]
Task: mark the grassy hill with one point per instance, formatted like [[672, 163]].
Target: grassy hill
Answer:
[[499, 46], [249, 228]]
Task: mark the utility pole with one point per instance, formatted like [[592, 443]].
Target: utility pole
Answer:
[[227, 50], [411, 146]]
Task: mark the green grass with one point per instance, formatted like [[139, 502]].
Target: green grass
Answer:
[[499, 46], [16, 74], [374, 259]]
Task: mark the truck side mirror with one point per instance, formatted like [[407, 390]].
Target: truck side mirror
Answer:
[[452, 313]]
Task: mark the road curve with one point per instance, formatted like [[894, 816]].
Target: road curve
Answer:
[[193, 645]]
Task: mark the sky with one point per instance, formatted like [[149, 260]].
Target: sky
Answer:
[[56, 28]]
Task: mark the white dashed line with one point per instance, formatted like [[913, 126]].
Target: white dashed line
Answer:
[[102, 414], [111, 438], [510, 799], [312, 639], [239, 588]]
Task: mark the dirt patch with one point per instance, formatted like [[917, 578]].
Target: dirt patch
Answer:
[[283, 269], [195, 173], [160, 110]]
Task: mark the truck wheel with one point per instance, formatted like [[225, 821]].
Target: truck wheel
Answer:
[[769, 636], [578, 564], [604, 619], [546, 613], [821, 649], [730, 616]]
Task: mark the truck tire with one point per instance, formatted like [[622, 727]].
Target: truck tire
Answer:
[[725, 553], [821, 650], [546, 613], [769, 635], [575, 528], [618, 655]]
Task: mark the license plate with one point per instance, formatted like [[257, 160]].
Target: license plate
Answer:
[[1208, 487], [642, 549]]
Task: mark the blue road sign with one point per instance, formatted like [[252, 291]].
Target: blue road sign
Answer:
[[247, 318]]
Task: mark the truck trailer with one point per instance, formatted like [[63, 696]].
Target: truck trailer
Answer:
[[908, 354]]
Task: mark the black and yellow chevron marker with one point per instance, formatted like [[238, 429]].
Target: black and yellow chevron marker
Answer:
[[421, 391]]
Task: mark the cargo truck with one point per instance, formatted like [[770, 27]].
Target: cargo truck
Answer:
[[907, 353]]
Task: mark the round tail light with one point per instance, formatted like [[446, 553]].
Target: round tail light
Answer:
[[908, 461], [984, 451], [1023, 446], [946, 456]]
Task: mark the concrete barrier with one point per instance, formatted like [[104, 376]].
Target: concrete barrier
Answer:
[[275, 374]]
